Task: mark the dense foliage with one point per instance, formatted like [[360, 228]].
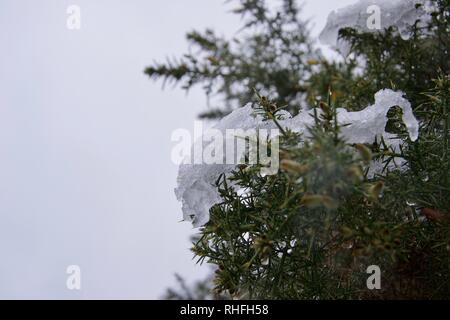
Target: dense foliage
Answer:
[[310, 231]]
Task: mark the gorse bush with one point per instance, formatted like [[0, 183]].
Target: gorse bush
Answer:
[[311, 231]]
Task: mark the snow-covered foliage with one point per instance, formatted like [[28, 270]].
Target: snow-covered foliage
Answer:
[[196, 182], [401, 14]]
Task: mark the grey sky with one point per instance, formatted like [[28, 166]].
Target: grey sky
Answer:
[[85, 170]]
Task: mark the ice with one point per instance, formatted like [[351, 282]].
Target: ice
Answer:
[[196, 182], [401, 14], [371, 122]]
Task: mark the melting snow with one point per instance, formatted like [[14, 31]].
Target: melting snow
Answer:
[[196, 182], [399, 13]]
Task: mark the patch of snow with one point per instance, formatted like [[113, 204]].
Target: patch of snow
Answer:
[[196, 182], [371, 122], [401, 14]]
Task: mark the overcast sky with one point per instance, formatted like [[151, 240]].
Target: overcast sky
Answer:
[[85, 172]]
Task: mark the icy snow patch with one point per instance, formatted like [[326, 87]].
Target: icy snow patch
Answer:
[[196, 182], [398, 13]]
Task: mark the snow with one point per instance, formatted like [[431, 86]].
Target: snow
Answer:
[[401, 14], [196, 182], [371, 122], [196, 189]]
